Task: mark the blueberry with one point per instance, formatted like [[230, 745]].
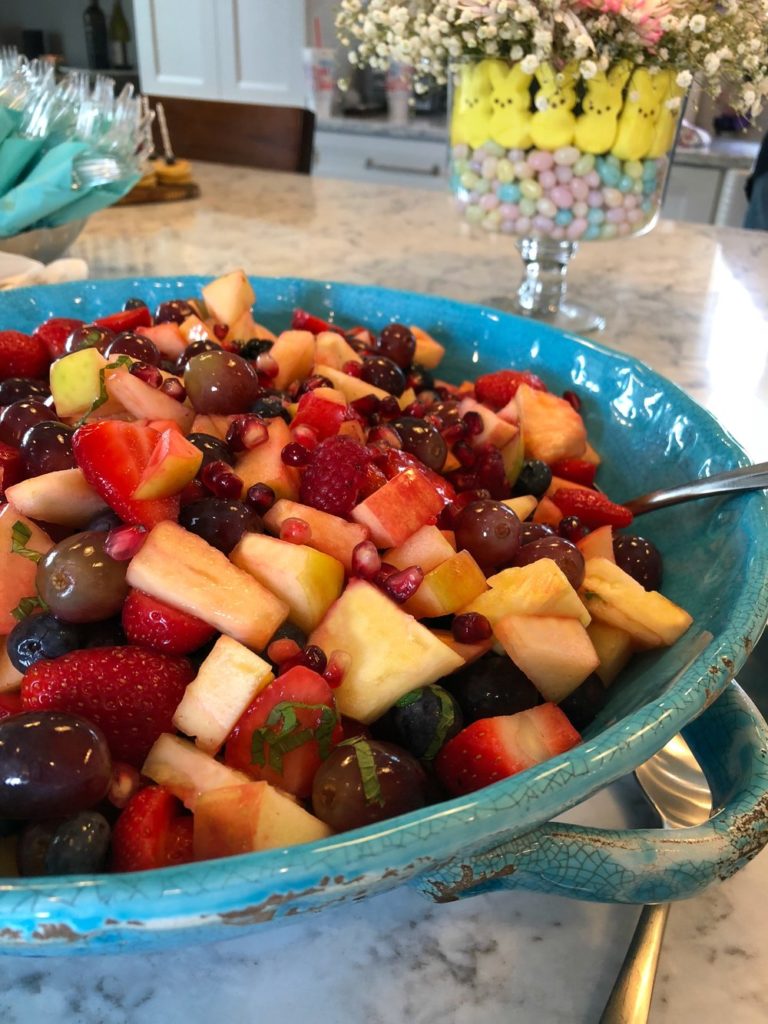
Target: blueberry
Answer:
[[213, 449], [219, 521], [535, 477], [134, 303], [425, 719], [38, 637], [492, 685], [105, 521], [255, 347], [79, 845], [288, 631], [270, 406], [582, 705]]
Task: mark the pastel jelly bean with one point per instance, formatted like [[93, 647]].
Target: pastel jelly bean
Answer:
[[508, 193], [461, 150], [522, 170], [633, 168], [547, 180], [634, 216], [491, 221], [515, 155], [480, 154], [630, 202], [531, 189], [564, 175], [595, 198], [567, 156], [592, 233], [592, 179], [596, 216], [490, 201], [626, 184], [580, 209], [615, 216], [624, 229], [646, 205], [523, 225], [474, 214], [509, 211], [579, 189], [504, 170], [608, 231], [613, 197], [577, 228], [609, 175], [482, 186], [546, 207], [540, 160], [584, 165], [563, 218], [494, 149], [562, 197], [527, 206], [637, 188], [557, 234], [469, 180], [488, 170], [508, 227], [613, 161], [543, 225]]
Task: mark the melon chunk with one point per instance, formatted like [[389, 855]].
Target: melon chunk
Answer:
[[329, 533], [228, 680], [17, 572], [264, 465], [556, 654], [540, 588], [254, 816], [186, 770], [185, 571], [614, 648], [551, 426], [63, 497], [522, 506], [294, 353], [391, 653], [495, 431], [613, 596]]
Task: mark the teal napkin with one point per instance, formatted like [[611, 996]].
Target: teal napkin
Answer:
[[44, 191], [96, 198]]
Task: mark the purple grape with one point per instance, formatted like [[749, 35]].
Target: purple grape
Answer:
[[563, 552]]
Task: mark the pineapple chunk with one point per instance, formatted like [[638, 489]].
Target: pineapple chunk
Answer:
[[540, 588], [447, 587], [614, 648], [612, 596]]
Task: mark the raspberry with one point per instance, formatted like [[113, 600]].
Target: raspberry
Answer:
[[496, 389], [334, 474]]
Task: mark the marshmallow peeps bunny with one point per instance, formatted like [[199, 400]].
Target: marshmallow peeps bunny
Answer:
[[637, 124], [666, 126], [553, 125], [510, 105], [598, 124], [471, 117]]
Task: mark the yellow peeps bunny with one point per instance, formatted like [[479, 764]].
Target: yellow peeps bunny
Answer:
[[553, 125], [510, 105], [666, 126], [637, 124], [471, 118], [598, 124]]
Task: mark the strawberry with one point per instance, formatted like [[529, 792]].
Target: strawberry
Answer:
[[10, 704], [126, 320], [591, 507], [392, 461], [150, 622], [577, 471], [22, 355], [54, 333], [303, 321], [286, 732], [323, 416], [151, 832], [495, 748], [113, 456], [130, 692], [496, 389], [11, 467], [334, 474]]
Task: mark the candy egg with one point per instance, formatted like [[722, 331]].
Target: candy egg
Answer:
[[592, 179], [543, 225], [567, 156], [617, 215], [468, 180], [540, 160], [490, 201], [494, 149], [546, 207], [488, 169], [461, 151], [473, 214], [578, 228], [592, 233], [557, 234], [580, 209], [626, 184], [585, 164], [527, 206], [522, 170], [609, 231], [596, 216], [562, 197], [509, 193], [613, 197], [579, 189], [523, 225], [491, 221], [504, 170], [609, 175], [633, 168], [547, 180], [595, 198], [564, 175], [531, 189], [508, 227], [515, 155], [563, 218], [509, 211]]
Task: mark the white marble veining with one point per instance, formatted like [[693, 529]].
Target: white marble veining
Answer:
[[689, 300]]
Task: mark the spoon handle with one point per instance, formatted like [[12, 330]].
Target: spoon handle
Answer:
[[630, 998], [746, 478]]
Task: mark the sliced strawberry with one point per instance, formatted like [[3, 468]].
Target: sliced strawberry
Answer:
[[10, 704], [11, 468], [22, 355], [303, 321], [126, 320], [53, 334], [592, 508], [113, 456], [578, 471], [149, 622], [496, 389], [325, 417], [495, 748], [130, 692], [286, 732], [151, 832]]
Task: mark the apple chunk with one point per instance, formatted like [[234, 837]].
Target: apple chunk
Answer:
[[186, 770], [399, 508], [172, 465], [229, 296], [391, 653], [17, 571], [329, 533], [63, 497], [185, 571]]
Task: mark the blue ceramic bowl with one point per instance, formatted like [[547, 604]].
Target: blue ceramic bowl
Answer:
[[716, 565]]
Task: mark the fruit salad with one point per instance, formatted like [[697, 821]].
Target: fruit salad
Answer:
[[257, 589]]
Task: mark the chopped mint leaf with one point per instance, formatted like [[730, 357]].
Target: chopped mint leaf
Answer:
[[20, 535], [409, 698], [590, 595], [444, 725], [367, 767], [28, 606], [283, 733], [103, 396]]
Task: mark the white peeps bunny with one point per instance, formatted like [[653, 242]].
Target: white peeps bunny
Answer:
[[471, 120], [554, 124], [598, 125], [642, 106], [510, 105]]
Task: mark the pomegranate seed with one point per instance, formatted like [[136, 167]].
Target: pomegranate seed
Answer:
[[453, 432], [194, 490], [384, 573], [221, 481], [124, 542], [305, 436], [280, 651], [416, 409], [148, 374], [246, 432], [571, 528], [465, 454], [261, 498], [337, 668], [315, 658], [174, 389], [366, 561], [402, 585], [465, 480], [124, 783], [388, 408], [295, 454], [352, 368], [366, 406], [221, 331], [295, 530], [266, 365], [312, 384], [573, 399], [473, 422], [471, 628], [384, 436]]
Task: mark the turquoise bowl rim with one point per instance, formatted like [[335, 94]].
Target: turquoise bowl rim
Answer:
[[186, 900]]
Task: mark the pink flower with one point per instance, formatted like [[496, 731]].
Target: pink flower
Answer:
[[645, 15]]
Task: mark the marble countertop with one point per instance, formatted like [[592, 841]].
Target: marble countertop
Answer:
[[689, 300]]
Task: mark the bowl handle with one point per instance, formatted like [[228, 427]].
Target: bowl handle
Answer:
[[730, 741]]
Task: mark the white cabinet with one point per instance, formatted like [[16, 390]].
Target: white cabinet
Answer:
[[246, 51], [692, 193], [381, 159]]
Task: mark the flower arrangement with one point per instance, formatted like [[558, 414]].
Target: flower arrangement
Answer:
[[718, 42]]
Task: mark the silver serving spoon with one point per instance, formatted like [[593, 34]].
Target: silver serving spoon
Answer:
[[675, 785], [747, 478]]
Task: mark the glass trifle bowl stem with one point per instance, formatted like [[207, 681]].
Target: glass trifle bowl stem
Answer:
[[542, 291]]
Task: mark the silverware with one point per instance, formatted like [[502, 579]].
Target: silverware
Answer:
[[675, 785], [746, 478]]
